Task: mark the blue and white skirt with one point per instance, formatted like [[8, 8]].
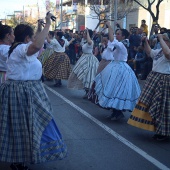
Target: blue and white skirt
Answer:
[[28, 132], [117, 87]]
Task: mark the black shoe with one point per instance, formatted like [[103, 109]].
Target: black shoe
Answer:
[[58, 82], [114, 114], [110, 116], [57, 85], [18, 166], [160, 137], [119, 115], [155, 136]]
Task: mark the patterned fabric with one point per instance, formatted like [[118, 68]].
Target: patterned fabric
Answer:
[[141, 118], [45, 55], [156, 97], [84, 71], [2, 77], [57, 66], [52, 145], [25, 113], [117, 86]]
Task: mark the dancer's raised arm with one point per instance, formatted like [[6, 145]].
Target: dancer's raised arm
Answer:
[[110, 30]]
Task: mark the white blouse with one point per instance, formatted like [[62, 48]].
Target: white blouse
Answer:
[[120, 53], [160, 63], [23, 67], [88, 48], [3, 57], [48, 45], [57, 47], [108, 52]]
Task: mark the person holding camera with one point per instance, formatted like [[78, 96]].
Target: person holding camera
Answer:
[[134, 42], [152, 111], [153, 37], [28, 131]]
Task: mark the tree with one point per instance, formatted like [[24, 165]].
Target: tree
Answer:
[[105, 10], [147, 5], [13, 21]]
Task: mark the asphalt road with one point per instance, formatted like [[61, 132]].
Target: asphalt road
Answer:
[[97, 143]]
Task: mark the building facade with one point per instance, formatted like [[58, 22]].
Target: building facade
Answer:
[[132, 18]]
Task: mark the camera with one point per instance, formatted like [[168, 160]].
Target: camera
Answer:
[[53, 18]]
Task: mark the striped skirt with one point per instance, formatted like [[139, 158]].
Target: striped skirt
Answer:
[[153, 109], [117, 87], [2, 76], [28, 132], [57, 66], [84, 72]]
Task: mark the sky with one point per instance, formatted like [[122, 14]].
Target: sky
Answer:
[[7, 7]]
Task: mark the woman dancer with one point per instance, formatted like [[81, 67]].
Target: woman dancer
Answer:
[[116, 86], [84, 72], [57, 66], [6, 39], [152, 111], [28, 131]]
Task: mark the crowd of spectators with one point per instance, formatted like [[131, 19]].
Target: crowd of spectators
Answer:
[[137, 58]]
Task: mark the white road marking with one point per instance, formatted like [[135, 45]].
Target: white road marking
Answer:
[[112, 132]]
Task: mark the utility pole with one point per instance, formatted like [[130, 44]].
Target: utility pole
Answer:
[[61, 13]]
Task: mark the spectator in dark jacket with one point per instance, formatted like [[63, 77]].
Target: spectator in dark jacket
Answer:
[[134, 41]]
